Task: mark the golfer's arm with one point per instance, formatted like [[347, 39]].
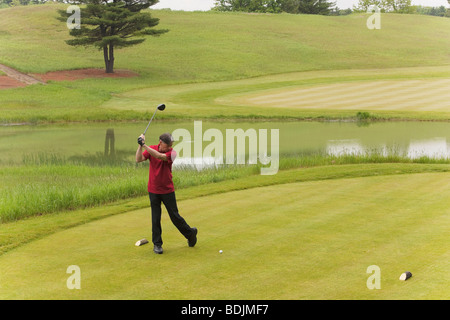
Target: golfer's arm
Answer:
[[139, 156], [154, 153]]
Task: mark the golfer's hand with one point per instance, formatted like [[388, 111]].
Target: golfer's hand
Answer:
[[141, 140]]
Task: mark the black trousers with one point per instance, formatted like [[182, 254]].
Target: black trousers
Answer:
[[170, 203]]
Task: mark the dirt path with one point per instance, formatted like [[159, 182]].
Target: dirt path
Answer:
[[19, 76]]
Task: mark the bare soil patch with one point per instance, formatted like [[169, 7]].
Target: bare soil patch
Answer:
[[7, 82], [71, 75]]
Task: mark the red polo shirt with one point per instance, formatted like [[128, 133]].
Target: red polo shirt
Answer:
[[160, 172]]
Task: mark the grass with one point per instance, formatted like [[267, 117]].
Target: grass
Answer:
[[36, 190], [326, 233], [53, 188], [251, 44], [53, 184], [328, 217], [224, 99], [314, 39], [190, 184]]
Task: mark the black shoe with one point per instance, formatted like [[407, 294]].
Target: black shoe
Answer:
[[157, 249], [192, 240]]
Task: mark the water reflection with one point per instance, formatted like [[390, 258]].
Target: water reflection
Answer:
[[88, 143], [198, 163], [435, 148], [110, 141], [344, 147]]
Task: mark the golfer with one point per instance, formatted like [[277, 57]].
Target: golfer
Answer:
[[161, 189]]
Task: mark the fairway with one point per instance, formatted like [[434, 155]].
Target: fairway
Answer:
[[421, 92], [306, 240]]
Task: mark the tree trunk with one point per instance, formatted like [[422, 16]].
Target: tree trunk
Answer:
[[108, 55], [111, 58]]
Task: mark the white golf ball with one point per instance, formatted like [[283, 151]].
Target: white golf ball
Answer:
[[220, 251]]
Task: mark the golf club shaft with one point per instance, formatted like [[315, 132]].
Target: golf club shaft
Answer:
[[150, 121]]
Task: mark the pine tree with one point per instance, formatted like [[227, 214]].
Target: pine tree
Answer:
[[108, 25]]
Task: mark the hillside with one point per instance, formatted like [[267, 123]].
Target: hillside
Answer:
[[206, 47], [212, 46]]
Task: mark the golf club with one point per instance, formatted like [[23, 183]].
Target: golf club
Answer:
[[161, 107]]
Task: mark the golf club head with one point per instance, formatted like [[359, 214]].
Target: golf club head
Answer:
[[161, 107]]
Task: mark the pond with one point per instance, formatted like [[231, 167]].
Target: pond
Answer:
[[94, 142]]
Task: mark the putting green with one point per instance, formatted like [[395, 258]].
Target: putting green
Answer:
[[309, 240], [387, 95]]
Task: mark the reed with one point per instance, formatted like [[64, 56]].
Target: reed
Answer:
[[47, 183]]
